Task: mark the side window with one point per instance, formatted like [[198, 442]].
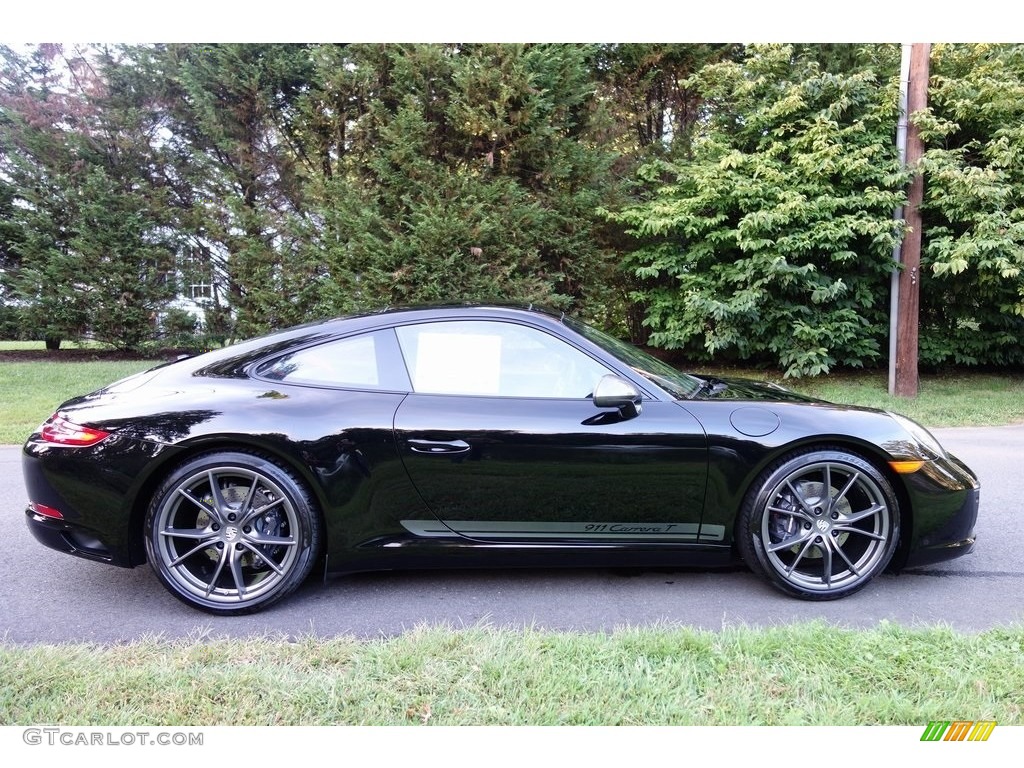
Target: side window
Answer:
[[495, 359], [367, 361]]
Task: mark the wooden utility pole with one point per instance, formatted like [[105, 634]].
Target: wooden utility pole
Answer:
[[910, 254]]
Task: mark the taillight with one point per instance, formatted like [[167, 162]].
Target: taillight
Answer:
[[60, 431]]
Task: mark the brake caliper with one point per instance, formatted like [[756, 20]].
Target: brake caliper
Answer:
[[782, 526]]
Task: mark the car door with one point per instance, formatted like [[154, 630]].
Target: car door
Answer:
[[336, 402], [503, 441]]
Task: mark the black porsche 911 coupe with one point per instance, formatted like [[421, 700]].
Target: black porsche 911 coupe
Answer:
[[479, 436]]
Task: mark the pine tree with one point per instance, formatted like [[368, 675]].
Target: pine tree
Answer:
[[458, 172], [240, 181], [94, 255]]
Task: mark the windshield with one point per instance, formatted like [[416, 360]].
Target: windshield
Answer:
[[680, 385]]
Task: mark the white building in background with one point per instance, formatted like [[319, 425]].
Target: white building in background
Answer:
[[197, 283]]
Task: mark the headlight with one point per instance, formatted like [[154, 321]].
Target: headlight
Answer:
[[925, 438]]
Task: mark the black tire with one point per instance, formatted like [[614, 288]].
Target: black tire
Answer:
[[231, 532], [814, 545]]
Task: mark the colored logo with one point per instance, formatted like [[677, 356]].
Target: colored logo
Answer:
[[958, 730]]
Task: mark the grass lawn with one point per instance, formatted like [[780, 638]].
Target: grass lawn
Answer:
[[947, 400], [806, 674], [31, 391]]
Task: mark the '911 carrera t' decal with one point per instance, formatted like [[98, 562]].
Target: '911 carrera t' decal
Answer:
[[487, 529]]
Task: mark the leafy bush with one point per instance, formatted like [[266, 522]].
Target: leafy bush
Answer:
[[972, 277], [774, 242], [179, 328]]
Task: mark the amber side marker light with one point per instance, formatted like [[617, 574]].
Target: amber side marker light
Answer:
[[906, 467], [60, 431]]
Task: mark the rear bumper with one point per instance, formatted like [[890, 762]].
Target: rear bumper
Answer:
[[70, 539], [91, 488]]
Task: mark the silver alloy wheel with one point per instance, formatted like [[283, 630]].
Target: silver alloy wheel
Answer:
[[827, 526], [226, 535]]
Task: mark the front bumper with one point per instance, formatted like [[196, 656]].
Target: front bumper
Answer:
[[954, 540], [945, 497]]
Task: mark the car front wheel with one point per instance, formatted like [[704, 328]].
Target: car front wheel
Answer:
[[820, 525], [231, 533]]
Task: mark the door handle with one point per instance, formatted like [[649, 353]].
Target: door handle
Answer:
[[439, 447]]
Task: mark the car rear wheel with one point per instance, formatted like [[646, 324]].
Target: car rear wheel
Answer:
[[231, 533], [820, 525]]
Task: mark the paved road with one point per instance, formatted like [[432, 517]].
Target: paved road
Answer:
[[49, 597]]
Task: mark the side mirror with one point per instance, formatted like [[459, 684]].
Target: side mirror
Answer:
[[614, 392]]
